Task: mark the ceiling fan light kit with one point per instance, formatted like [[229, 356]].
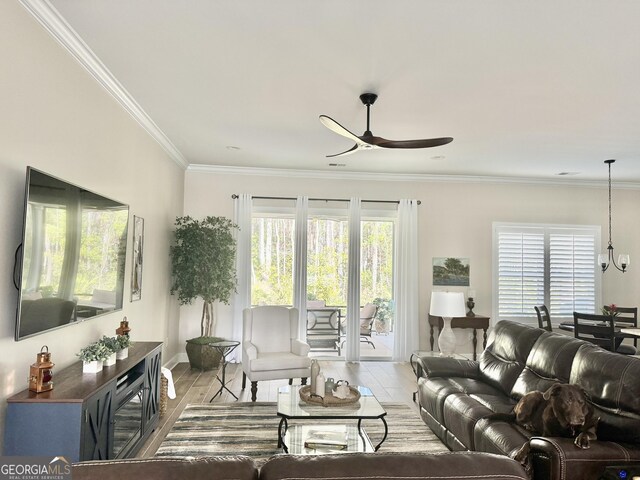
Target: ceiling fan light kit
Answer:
[[369, 141]]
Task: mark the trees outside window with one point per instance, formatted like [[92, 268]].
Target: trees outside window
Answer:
[[272, 255]]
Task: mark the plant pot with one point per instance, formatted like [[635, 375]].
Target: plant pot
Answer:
[[202, 357], [382, 327], [110, 360], [122, 354], [94, 366]]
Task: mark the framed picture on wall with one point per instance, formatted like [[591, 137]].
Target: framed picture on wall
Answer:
[[138, 249], [451, 271]]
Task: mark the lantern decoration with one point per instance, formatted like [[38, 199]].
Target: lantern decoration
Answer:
[[41, 372], [124, 327]]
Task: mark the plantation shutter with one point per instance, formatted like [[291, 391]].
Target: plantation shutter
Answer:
[[545, 264], [520, 272], [572, 273]]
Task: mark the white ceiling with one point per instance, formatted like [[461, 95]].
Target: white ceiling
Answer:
[[526, 88]]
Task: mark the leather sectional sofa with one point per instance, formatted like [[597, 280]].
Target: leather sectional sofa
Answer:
[[444, 466], [457, 398]]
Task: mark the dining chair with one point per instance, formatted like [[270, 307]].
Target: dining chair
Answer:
[[544, 320], [627, 315], [600, 330]]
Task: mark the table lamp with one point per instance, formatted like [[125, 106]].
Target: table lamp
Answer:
[[447, 305]]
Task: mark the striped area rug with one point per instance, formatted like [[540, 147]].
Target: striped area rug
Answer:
[[251, 429]]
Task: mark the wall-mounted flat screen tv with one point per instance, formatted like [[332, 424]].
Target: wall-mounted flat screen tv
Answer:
[[71, 263]]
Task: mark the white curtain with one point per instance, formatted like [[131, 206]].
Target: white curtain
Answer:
[[406, 281], [300, 264], [352, 353], [242, 299]]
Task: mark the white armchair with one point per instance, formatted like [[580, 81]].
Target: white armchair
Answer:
[[270, 347]]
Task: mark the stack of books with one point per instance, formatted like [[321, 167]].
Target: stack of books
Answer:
[[334, 439]]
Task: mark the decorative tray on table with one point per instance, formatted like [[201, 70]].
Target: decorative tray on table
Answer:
[[329, 400]]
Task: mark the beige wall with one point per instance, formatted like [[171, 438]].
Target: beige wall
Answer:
[[455, 219], [57, 118]]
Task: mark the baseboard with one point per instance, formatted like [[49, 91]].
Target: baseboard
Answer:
[[178, 358]]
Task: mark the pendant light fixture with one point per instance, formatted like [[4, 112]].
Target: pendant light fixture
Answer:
[[606, 259]]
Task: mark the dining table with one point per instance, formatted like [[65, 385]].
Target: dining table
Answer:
[[621, 331]]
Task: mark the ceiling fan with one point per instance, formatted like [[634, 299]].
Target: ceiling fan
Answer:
[[369, 141]]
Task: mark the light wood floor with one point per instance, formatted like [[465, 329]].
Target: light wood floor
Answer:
[[389, 382]]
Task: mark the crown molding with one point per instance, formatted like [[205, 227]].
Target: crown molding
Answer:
[[401, 177], [57, 26]]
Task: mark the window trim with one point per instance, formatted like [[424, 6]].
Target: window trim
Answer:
[[596, 230]]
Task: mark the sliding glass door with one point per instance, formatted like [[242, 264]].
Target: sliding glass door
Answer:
[[272, 279]]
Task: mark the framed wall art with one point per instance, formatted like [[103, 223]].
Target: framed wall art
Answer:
[[138, 249], [451, 271]]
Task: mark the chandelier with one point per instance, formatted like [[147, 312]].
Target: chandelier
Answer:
[[606, 259]]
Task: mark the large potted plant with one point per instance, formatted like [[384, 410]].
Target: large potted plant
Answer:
[[203, 266], [384, 315]]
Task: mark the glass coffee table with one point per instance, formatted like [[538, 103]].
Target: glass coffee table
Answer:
[[292, 407]]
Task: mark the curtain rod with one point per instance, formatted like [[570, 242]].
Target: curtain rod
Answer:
[[234, 196]]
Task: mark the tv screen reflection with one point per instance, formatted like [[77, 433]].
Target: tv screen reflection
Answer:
[[73, 255]]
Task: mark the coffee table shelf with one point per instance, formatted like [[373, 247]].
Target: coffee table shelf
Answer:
[[357, 440]]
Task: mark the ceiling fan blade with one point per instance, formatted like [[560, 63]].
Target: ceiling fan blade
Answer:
[[334, 126], [423, 143], [346, 152]]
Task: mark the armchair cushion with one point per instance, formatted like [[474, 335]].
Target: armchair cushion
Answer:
[[278, 361]]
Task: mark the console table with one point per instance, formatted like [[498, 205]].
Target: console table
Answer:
[[89, 416], [475, 323]]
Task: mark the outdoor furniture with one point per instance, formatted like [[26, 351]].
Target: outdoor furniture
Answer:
[[367, 315], [271, 349], [544, 320], [323, 327]]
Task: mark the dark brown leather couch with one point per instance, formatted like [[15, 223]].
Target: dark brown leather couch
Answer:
[[443, 466], [457, 396]]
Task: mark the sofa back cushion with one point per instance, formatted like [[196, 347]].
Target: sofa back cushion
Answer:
[[504, 359], [612, 381], [209, 468], [549, 361], [396, 466]]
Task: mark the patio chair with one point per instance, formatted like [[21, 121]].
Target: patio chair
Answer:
[[367, 316]]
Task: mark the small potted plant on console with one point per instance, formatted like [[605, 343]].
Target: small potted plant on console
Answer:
[[93, 357], [124, 342], [111, 344]]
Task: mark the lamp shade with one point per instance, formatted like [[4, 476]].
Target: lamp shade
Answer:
[[447, 304]]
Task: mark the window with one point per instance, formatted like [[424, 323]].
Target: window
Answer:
[[545, 264], [273, 247]]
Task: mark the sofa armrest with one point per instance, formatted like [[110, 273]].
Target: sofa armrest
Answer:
[[559, 458], [299, 347], [447, 367]]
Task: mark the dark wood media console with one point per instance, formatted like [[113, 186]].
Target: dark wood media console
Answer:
[[89, 416]]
